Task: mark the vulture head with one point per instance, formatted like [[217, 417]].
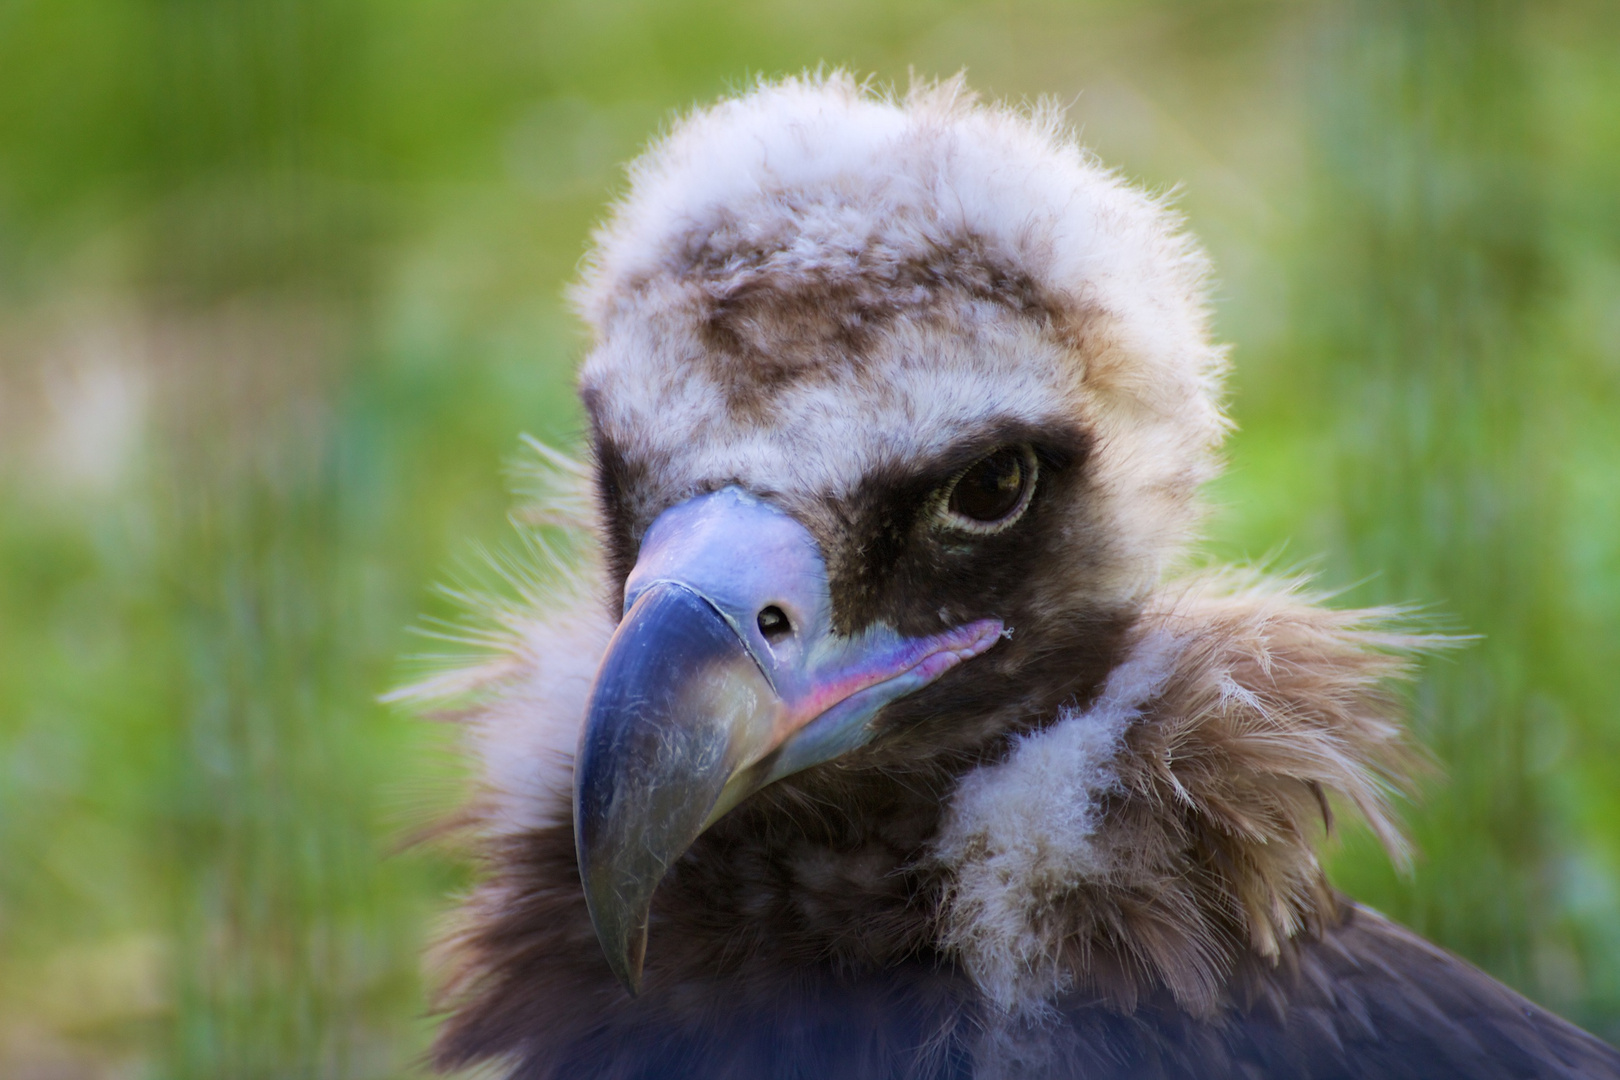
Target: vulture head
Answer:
[[879, 733]]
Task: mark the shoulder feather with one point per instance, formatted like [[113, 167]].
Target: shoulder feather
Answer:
[[1152, 838]]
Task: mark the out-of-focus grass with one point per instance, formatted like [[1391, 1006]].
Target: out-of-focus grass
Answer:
[[279, 290], [1462, 380]]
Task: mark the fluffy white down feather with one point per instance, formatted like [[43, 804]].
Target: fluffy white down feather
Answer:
[[817, 183], [1020, 831], [526, 736]]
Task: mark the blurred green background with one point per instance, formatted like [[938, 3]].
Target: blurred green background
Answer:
[[280, 289]]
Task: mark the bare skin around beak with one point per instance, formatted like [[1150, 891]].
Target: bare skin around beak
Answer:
[[723, 676]]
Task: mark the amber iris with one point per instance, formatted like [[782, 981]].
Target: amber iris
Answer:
[[993, 488]]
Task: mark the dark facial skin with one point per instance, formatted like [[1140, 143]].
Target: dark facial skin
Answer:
[[892, 559]]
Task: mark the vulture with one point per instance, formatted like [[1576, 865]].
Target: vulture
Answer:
[[876, 723]]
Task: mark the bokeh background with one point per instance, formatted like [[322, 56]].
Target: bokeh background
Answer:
[[280, 290]]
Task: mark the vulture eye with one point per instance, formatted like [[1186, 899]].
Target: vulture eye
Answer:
[[993, 493]]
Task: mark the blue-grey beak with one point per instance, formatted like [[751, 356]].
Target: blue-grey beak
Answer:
[[724, 675]]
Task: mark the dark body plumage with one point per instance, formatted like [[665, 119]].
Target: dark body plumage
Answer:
[[800, 936], [1086, 845], [834, 977]]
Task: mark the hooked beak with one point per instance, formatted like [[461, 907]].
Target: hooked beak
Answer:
[[724, 675]]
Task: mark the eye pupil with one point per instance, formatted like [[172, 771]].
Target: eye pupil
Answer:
[[991, 489]]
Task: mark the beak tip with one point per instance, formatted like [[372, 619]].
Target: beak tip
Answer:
[[628, 964], [621, 931], [656, 751]]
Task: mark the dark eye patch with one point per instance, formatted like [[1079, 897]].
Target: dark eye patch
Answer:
[[906, 545]]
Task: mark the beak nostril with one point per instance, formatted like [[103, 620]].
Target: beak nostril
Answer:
[[774, 624]]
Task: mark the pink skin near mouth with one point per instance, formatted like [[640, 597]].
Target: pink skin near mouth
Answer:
[[922, 660]]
